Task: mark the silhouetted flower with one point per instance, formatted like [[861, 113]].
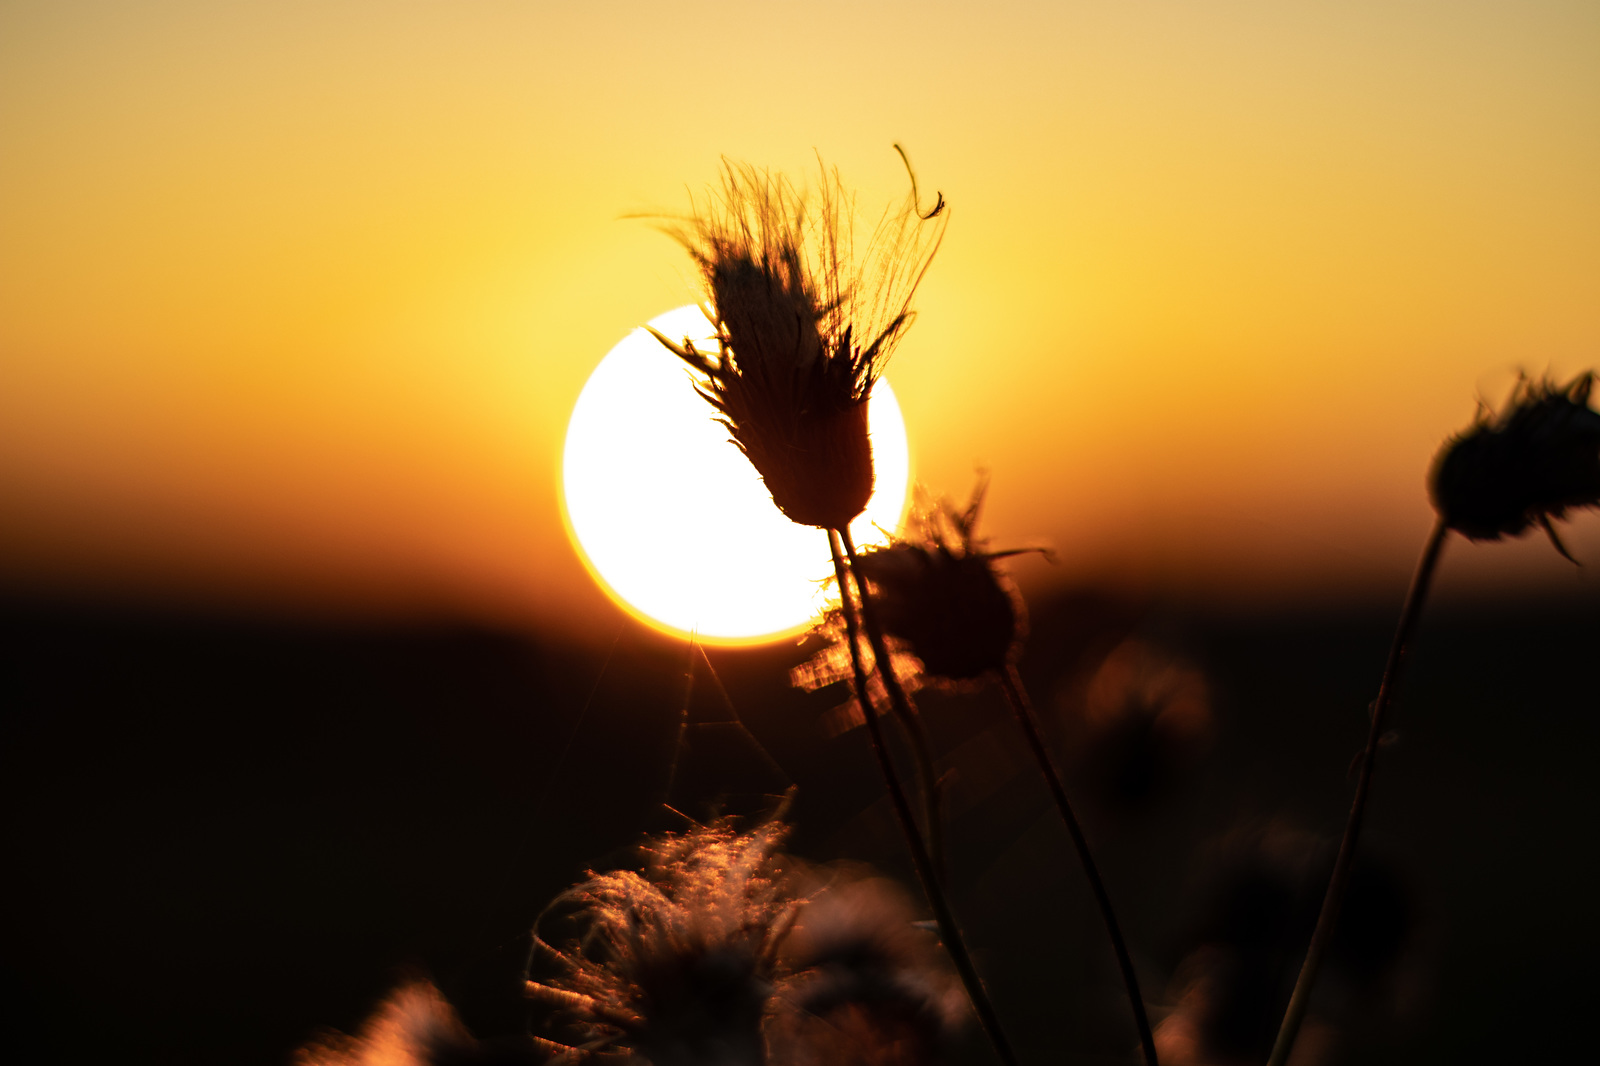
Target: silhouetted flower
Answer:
[[803, 329], [939, 594], [1529, 465]]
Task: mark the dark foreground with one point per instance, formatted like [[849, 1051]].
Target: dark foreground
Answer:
[[222, 834]]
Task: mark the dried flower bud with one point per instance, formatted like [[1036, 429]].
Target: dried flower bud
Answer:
[[1529, 465], [803, 330], [943, 599]]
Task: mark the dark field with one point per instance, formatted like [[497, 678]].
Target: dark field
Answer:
[[223, 833]]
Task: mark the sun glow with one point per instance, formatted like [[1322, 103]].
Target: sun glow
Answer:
[[673, 520]]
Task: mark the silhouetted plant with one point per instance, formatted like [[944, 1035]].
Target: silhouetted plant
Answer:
[[803, 328], [1536, 460], [958, 620], [1527, 466]]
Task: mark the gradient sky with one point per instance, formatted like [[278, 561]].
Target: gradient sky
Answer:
[[295, 298]]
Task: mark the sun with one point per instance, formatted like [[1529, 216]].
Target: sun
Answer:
[[672, 519]]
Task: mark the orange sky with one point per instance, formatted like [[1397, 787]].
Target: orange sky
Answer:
[[295, 298]]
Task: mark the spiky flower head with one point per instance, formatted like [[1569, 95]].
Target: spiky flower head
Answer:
[[940, 594], [950, 617], [1529, 465], [803, 327]]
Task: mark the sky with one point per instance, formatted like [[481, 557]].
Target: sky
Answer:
[[296, 298]]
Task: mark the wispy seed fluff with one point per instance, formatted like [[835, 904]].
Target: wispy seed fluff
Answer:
[[720, 952], [1529, 465], [674, 965], [803, 326]]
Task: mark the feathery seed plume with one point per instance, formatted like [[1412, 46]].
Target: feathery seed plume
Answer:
[[674, 965], [721, 952]]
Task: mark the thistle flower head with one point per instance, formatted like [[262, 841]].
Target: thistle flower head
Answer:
[[675, 964], [1530, 464], [940, 595], [803, 327]]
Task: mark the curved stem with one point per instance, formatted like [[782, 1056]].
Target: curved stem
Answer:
[[1339, 882], [1022, 707], [900, 703], [948, 931]]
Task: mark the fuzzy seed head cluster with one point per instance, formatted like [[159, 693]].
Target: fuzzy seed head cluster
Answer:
[[675, 963], [720, 952], [804, 325], [1529, 465]]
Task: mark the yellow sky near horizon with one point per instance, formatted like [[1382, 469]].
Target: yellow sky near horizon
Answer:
[[295, 298]]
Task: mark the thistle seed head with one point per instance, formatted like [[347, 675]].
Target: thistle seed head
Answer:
[[675, 965], [803, 328], [941, 596], [720, 952], [1536, 460]]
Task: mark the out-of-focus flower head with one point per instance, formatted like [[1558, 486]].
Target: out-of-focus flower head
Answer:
[[721, 952], [675, 965], [415, 1026], [1245, 951], [804, 326], [1528, 465], [870, 985], [1139, 720]]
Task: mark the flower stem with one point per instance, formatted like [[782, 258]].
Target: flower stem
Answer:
[[1022, 707], [900, 703], [920, 858], [1339, 882]]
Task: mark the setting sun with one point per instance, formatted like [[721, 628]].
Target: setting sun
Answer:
[[676, 523]]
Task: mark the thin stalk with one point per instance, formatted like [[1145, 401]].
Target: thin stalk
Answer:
[[1022, 707], [900, 703], [949, 932], [1339, 883]]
